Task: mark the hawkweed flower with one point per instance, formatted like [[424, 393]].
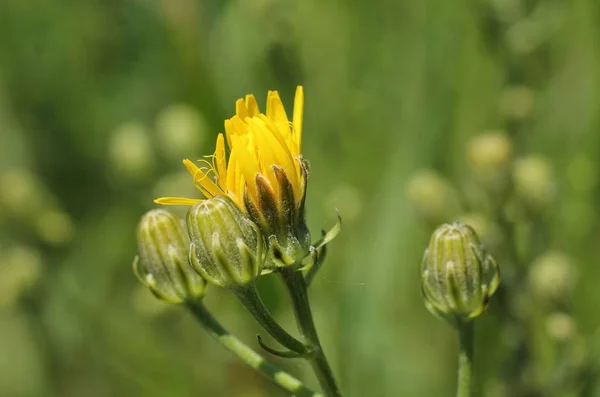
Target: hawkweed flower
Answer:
[[227, 247], [264, 174], [163, 265], [458, 276]]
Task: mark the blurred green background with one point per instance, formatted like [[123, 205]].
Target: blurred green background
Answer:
[[101, 99]]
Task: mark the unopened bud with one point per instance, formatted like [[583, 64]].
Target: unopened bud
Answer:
[[534, 181], [227, 249], [458, 276], [163, 262]]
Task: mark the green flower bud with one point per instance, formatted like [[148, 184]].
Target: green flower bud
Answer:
[[458, 276], [163, 262], [227, 249]]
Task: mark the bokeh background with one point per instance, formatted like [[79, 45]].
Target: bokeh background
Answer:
[[100, 100]]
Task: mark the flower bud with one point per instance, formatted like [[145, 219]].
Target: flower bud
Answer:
[[227, 248], [163, 262], [458, 276]]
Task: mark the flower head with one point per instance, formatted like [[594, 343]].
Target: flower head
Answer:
[[264, 173]]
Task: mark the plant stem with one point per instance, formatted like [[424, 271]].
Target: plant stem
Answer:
[[296, 284], [465, 359], [248, 296], [282, 379]]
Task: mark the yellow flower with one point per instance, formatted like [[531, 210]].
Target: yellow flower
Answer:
[[264, 173]]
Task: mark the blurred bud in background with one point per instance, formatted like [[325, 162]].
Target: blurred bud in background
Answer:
[[528, 34], [180, 130], [20, 268], [347, 200], [561, 327], [458, 276], [508, 11], [163, 262], [489, 155], [432, 196], [22, 194], [553, 277], [130, 152], [55, 228], [534, 181], [517, 102], [178, 181], [227, 248], [489, 232]]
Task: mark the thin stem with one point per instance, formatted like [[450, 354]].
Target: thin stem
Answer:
[[298, 291], [282, 379], [465, 359], [248, 296]]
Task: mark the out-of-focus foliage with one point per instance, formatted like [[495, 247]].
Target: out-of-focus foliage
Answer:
[[100, 100]]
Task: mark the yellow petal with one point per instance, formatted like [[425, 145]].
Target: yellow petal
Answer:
[[276, 113], [273, 152], [241, 110], [298, 115], [176, 201], [248, 165], [221, 163], [251, 105], [191, 167], [202, 180]]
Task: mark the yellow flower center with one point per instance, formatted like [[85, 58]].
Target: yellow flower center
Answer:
[[257, 143]]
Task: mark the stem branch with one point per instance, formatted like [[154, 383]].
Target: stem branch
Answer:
[[249, 297], [282, 379], [297, 288]]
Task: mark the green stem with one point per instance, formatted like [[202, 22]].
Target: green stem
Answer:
[[282, 379], [248, 296], [297, 288], [465, 359]]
